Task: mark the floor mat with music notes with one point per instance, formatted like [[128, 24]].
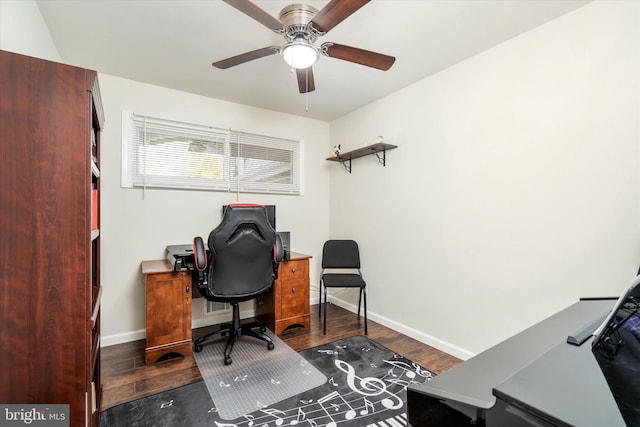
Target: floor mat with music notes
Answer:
[[366, 386]]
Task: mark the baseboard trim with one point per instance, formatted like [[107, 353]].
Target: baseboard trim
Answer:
[[441, 345], [109, 340], [141, 334]]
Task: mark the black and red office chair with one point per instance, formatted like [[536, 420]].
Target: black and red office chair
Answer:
[[240, 264], [341, 269]]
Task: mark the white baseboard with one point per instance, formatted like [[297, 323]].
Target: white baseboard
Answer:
[[108, 340], [141, 334], [441, 345]]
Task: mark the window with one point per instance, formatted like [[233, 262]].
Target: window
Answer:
[[164, 153]]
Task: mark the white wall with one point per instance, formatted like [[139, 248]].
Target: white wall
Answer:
[[23, 30], [514, 188], [134, 228]]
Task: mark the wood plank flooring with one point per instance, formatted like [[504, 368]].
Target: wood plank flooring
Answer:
[[125, 377]]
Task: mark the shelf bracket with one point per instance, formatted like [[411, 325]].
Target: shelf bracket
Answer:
[[346, 166], [382, 160]]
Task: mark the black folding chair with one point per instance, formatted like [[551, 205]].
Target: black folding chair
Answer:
[[342, 255]]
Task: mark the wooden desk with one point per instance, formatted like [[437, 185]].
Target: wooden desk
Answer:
[[287, 302], [169, 295], [168, 310]]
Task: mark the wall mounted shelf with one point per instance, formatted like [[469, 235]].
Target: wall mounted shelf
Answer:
[[379, 150]]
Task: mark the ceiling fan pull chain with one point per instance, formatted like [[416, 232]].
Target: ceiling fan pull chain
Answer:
[[306, 94]]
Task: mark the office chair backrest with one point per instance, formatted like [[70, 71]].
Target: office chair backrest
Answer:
[[340, 254], [241, 261]]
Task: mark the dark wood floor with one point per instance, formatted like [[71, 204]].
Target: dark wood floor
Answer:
[[125, 376]]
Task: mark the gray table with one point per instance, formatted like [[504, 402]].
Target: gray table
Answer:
[[468, 387]]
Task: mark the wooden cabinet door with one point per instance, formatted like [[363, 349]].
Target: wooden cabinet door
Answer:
[[168, 308]]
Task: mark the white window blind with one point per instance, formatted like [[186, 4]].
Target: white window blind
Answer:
[[165, 153], [263, 164]]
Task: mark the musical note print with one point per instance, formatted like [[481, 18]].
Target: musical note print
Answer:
[[349, 413], [410, 371], [333, 382], [275, 414], [368, 407], [300, 417], [249, 418], [369, 386], [332, 352]]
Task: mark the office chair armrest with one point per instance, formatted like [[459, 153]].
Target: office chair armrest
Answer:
[[278, 255], [200, 261], [199, 254], [278, 249]]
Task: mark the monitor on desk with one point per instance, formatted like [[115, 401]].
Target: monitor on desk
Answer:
[[616, 347]]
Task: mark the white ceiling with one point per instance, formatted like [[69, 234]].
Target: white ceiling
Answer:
[[173, 43]]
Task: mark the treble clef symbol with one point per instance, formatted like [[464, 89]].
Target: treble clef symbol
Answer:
[[369, 386]]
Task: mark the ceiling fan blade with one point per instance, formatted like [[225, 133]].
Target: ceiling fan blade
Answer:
[[305, 80], [246, 57], [334, 13], [252, 10], [359, 56]]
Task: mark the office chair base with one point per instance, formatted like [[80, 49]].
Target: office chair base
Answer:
[[227, 329]]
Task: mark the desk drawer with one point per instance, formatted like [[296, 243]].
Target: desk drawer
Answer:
[[287, 303], [294, 298], [293, 271]]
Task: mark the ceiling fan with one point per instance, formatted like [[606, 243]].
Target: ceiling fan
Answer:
[[301, 25]]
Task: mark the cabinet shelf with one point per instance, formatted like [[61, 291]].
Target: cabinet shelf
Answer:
[[379, 150]]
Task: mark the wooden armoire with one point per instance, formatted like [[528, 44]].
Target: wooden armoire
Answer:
[[51, 117]]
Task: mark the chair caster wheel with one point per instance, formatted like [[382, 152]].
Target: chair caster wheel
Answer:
[[270, 346], [227, 360], [197, 348], [263, 329]]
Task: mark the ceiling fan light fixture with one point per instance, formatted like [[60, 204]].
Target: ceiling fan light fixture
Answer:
[[300, 54]]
